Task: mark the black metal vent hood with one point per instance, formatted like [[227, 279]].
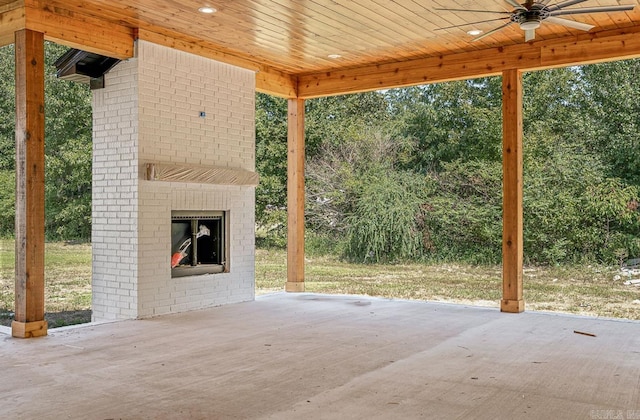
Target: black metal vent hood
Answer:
[[84, 67]]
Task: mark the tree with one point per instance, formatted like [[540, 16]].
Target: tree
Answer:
[[557, 225], [68, 153], [67, 150], [7, 141], [611, 106], [357, 195], [335, 119], [328, 121], [568, 165], [271, 164], [450, 121], [7, 105], [463, 212]]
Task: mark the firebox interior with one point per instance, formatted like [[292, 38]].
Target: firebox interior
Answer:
[[198, 243]]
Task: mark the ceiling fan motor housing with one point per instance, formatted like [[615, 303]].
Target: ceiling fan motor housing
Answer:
[[530, 18]]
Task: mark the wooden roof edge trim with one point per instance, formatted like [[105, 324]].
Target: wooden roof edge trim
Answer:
[[602, 46], [575, 50], [268, 80], [11, 21], [82, 32], [17, 4]]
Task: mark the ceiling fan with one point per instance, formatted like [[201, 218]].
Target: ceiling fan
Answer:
[[530, 15]]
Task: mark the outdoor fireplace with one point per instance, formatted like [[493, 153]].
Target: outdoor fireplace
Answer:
[[172, 162], [198, 243]]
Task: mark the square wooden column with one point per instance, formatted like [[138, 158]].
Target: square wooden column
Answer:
[[29, 231], [512, 232], [295, 197]]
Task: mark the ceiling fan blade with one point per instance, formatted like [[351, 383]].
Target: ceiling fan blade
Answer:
[[468, 24], [515, 4], [491, 32], [529, 35], [596, 9], [564, 4], [569, 23], [474, 11]]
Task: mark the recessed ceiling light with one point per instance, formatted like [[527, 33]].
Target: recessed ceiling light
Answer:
[[474, 32], [334, 56], [207, 10]]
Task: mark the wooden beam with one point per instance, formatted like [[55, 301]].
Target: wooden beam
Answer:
[[80, 31], [29, 287], [512, 233], [295, 197], [574, 50], [277, 84], [268, 80]]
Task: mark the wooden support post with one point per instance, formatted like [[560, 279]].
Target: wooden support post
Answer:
[[295, 197], [512, 236], [29, 231]]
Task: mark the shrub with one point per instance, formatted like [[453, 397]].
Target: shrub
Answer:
[[383, 226], [7, 202], [463, 213]]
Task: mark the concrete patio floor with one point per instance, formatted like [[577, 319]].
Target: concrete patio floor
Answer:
[[308, 356]]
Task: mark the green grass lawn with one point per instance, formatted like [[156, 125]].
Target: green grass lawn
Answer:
[[67, 280], [586, 290]]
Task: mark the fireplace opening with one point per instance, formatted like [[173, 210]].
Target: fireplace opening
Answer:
[[198, 243]]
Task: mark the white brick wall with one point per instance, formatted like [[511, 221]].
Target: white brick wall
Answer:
[[150, 112], [115, 196]]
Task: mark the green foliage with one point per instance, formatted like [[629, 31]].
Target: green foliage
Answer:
[[7, 141], [355, 191], [67, 149], [557, 174], [68, 191], [612, 116], [403, 174], [552, 102], [463, 213], [271, 230], [7, 202], [337, 119], [7, 105], [450, 121], [614, 206], [322, 244], [68, 154], [384, 224], [577, 208], [431, 157], [329, 122], [271, 157]]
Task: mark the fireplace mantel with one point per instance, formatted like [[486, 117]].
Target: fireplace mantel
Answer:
[[215, 175]]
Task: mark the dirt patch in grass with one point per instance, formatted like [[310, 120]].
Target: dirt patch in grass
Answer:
[[55, 319]]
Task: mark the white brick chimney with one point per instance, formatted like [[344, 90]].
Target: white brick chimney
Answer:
[[174, 108]]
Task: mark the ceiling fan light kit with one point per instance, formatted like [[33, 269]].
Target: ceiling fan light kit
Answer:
[[531, 24], [531, 14]]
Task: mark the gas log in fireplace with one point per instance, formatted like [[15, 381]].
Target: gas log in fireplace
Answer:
[[198, 243]]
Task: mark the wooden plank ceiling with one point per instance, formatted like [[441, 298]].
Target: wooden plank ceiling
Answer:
[[310, 48]]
